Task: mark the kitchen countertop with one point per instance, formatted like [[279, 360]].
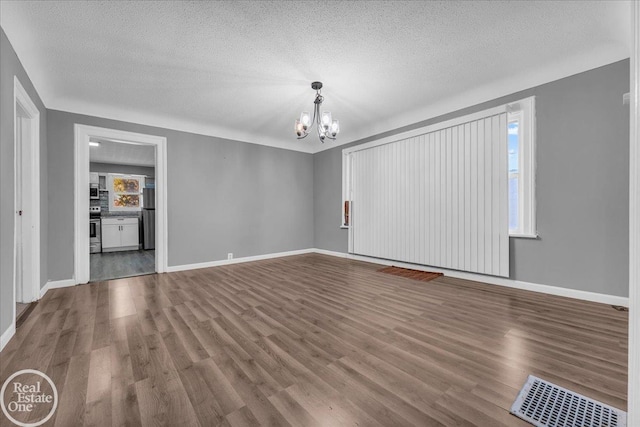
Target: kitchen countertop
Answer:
[[120, 214]]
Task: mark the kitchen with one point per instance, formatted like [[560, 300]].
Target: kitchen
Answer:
[[121, 209]]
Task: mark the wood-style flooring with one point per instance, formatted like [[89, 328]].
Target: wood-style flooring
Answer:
[[21, 307], [116, 265], [311, 340]]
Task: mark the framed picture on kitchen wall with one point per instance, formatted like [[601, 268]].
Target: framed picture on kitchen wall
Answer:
[[125, 192]]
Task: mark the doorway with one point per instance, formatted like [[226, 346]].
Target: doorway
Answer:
[[122, 209], [26, 266], [90, 136]]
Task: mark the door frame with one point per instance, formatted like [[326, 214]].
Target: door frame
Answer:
[[83, 133], [633, 393], [30, 195]]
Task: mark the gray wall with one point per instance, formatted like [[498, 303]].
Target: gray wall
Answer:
[[223, 196], [10, 66], [582, 184], [128, 169]]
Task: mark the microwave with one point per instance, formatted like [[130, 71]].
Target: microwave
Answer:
[[94, 191]]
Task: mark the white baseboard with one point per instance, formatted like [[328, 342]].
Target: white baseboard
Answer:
[[334, 253], [56, 284], [500, 281], [208, 264], [7, 335]]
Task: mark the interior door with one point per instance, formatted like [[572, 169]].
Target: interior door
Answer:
[[19, 277], [26, 261]]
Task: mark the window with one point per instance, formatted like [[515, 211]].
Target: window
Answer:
[[521, 146], [514, 170], [521, 169], [125, 192]]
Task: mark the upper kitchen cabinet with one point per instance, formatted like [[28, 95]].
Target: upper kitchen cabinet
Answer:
[[103, 181]]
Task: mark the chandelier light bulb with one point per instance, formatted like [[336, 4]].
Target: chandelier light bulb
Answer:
[[305, 119], [335, 128], [326, 120], [325, 125]]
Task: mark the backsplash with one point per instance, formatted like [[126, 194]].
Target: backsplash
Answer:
[[104, 201]]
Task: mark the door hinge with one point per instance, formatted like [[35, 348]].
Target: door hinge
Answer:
[[20, 212]]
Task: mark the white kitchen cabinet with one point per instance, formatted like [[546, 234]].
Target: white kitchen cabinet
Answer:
[[94, 178], [120, 234], [110, 236], [129, 235]]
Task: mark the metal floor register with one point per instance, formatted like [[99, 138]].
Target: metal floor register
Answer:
[[544, 404]]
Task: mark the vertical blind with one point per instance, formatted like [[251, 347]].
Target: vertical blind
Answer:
[[436, 199]]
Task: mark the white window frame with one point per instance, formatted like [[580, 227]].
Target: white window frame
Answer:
[[524, 112], [112, 207]]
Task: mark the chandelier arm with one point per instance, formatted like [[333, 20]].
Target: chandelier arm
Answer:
[[315, 109], [321, 130]]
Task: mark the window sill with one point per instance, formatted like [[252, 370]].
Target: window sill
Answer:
[[523, 236]]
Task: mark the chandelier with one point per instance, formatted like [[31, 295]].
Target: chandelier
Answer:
[[327, 128]]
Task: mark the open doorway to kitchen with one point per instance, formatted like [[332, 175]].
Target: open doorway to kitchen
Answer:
[[121, 209], [26, 266], [120, 204]]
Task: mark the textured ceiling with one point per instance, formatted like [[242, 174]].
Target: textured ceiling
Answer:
[[242, 70], [119, 153]]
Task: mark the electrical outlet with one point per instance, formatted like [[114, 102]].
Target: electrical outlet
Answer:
[[230, 255]]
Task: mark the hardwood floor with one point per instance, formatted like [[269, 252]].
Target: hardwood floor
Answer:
[[116, 265], [20, 308], [311, 340]]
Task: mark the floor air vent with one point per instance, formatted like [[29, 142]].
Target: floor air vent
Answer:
[[544, 404]]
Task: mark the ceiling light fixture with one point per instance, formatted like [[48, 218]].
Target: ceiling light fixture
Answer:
[[327, 128]]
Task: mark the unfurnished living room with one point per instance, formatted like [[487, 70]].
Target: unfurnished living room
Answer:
[[320, 213]]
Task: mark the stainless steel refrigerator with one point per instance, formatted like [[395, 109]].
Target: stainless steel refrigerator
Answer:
[[148, 218]]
